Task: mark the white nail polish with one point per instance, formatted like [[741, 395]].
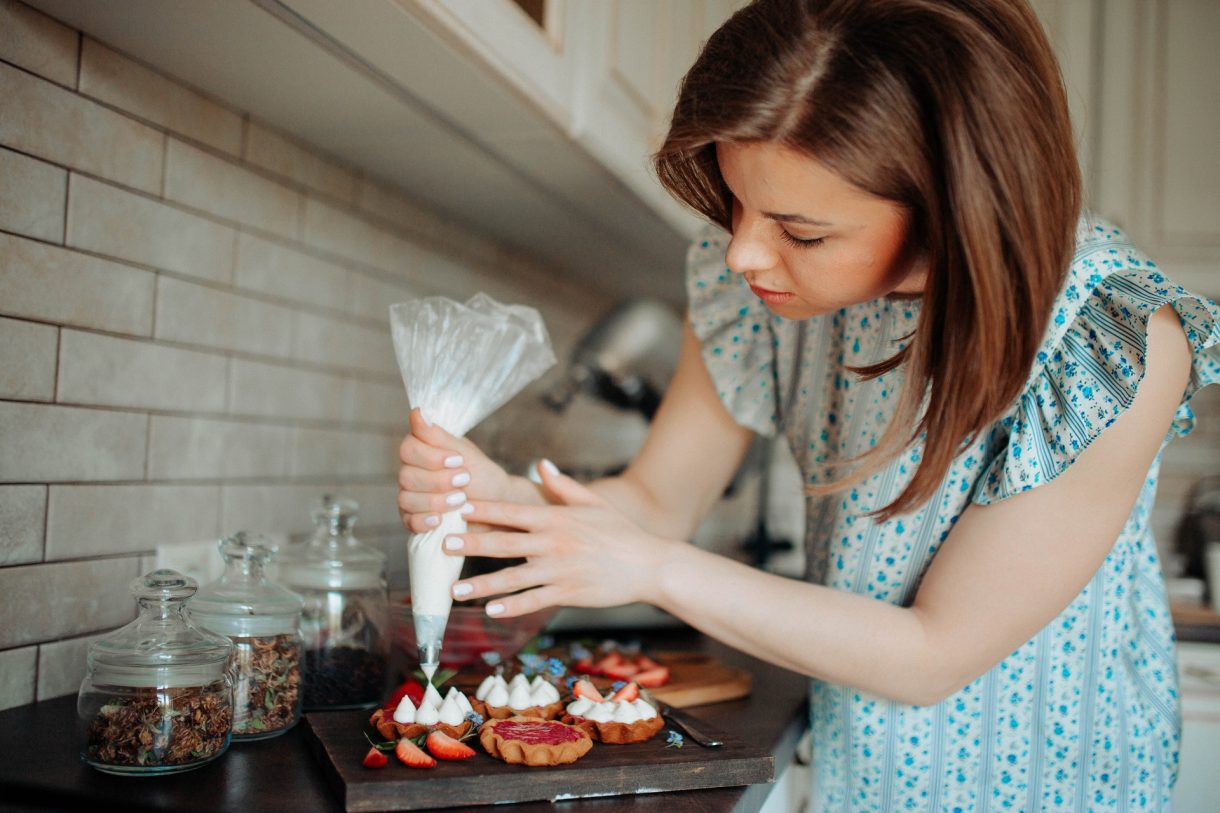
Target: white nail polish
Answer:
[[456, 498], [454, 543], [453, 461], [462, 479], [495, 609], [466, 509], [462, 589], [549, 467], [432, 520]]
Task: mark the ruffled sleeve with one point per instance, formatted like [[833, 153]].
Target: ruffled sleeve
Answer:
[[1092, 361], [735, 333]]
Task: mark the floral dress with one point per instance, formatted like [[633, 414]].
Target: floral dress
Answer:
[[1084, 715]]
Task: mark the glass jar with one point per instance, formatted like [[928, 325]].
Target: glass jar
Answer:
[[157, 695], [261, 619], [344, 621]]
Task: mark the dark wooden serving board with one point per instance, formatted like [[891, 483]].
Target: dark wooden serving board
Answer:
[[337, 739]]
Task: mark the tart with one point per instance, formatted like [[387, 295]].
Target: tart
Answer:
[[532, 741], [496, 699], [433, 714], [623, 718]]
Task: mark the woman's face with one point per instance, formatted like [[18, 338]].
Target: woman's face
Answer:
[[807, 241]]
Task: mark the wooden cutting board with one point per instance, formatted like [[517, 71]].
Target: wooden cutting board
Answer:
[[696, 679], [338, 741]]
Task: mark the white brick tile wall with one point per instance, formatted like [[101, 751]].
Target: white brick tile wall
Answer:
[[43, 443], [267, 508], [325, 340], [46, 120], [27, 360], [343, 453], [202, 449], [17, 675], [126, 226], [62, 665], [273, 268], [37, 43], [23, 511], [50, 601], [372, 402], [47, 282], [38, 210], [198, 314], [341, 233], [113, 78], [271, 390], [103, 520], [370, 296], [204, 181], [274, 152], [103, 370]]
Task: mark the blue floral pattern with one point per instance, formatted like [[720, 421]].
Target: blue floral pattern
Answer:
[[1083, 716]]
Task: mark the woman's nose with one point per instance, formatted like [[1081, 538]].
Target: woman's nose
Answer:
[[749, 249]]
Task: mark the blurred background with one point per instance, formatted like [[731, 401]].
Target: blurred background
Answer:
[[206, 209]]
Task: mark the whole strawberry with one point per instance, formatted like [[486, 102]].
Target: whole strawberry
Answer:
[[375, 759]]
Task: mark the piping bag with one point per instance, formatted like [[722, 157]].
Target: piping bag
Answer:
[[460, 362]]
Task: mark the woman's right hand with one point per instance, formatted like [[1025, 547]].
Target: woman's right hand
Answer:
[[440, 472]]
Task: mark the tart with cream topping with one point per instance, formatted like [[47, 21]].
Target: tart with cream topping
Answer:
[[533, 741], [623, 718], [496, 699], [433, 714]]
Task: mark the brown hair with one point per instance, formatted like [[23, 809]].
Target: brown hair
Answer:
[[954, 109]]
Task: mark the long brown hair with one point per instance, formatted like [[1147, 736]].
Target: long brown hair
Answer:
[[954, 109]]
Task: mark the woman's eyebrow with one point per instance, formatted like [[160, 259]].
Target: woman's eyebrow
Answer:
[[791, 218]]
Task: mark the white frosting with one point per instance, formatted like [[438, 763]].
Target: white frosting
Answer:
[[458, 698], [580, 706], [625, 713], [464, 702], [519, 698], [498, 696], [485, 687], [405, 713], [519, 680], [432, 697], [598, 713], [544, 694], [536, 682], [433, 573], [645, 711], [451, 712], [427, 714]]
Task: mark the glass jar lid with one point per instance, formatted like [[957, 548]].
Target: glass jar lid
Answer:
[[162, 646], [332, 558], [243, 601]]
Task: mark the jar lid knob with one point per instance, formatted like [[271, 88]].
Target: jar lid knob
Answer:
[[246, 545], [338, 512], [164, 585]]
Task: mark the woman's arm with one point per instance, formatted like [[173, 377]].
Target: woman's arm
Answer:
[[1005, 572]]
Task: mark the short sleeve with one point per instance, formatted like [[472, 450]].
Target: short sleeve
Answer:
[[735, 334], [1090, 366]]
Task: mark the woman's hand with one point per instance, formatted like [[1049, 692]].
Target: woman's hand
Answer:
[[440, 472], [581, 552]]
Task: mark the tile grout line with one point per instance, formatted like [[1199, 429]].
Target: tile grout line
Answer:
[[80, 59]]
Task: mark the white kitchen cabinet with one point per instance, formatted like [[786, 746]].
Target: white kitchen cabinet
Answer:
[[1198, 785]]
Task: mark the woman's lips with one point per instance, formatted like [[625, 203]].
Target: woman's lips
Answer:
[[771, 297]]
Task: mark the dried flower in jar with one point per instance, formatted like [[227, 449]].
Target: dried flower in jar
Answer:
[[166, 726], [267, 683]]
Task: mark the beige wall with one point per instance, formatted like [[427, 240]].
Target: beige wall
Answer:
[[193, 334]]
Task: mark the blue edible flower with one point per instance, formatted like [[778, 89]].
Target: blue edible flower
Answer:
[[674, 740]]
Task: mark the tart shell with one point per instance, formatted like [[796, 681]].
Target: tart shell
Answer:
[[617, 733], [517, 752], [548, 712]]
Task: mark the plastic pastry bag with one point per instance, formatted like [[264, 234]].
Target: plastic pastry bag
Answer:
[[459, 362]]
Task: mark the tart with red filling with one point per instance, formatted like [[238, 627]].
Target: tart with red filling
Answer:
[[532, 741]]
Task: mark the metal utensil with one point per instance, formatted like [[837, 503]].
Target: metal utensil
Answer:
[[695, 728]]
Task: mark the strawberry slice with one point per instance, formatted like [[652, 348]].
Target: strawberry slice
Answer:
[[623, 671], [646, 664], [409, 688], [409, 754], [626, 694], [585, 689], [653, 678], [375, 759], [584, 666], [442, 746]]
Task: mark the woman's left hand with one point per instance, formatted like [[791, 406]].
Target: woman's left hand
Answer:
[[580, 552]]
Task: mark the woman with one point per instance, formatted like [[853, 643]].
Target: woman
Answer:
[[977, 384]]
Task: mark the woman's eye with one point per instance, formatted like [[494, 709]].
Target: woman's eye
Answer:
[[798, 242]]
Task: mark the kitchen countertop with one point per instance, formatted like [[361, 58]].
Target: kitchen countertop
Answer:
[[1193, 621], [41, 768]]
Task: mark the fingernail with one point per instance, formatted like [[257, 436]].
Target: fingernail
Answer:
[[549, 467], [462, 589], [495, 609], [432, 520], [453, 461], [466, 509], [461, 479], [456, 498], [454, 543], [427, 421]]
